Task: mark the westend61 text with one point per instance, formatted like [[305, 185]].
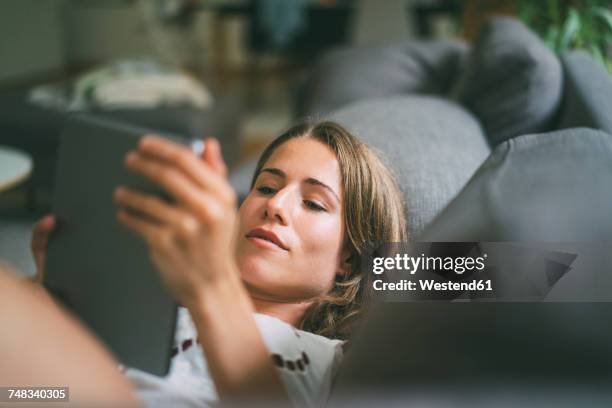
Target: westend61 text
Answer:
[[429, 285]]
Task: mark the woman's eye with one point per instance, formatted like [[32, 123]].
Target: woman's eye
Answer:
[[265, 190], [314, 206]]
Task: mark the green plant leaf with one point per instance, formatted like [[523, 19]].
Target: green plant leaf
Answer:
[[553, 12], [565, 24], [570, 29], [605, 14], [527, 12], [551, 36]]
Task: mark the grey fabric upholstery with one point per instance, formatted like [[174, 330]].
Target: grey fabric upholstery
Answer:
[[587, 99], [240, 178], [431, 144], [542, 187], [352, 74], [512, 82]]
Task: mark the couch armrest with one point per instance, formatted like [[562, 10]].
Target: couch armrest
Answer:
[[587, 94]]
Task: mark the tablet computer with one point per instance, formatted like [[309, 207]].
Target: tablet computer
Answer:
[[95, 266]]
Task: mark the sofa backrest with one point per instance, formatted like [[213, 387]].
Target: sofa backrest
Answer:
[[432, 145], [351, 74], [587, 93]]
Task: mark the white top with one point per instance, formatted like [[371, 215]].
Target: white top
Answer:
[[306, 364]]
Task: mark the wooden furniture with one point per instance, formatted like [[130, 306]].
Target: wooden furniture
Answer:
[[477, 12]]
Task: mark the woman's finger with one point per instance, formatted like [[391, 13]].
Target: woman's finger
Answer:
[[155, 235], [41, 232], [213, 156], [42, 229], [183, 158], [39, 243], [157, 210], [176, 183]]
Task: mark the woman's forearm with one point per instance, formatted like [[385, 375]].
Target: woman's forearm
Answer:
[[235, 351]]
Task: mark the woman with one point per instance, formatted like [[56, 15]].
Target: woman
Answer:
[[273, 279]]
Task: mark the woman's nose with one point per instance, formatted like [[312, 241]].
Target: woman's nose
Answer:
[[277, 206]]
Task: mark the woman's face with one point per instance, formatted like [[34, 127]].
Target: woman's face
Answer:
[[291, 224]]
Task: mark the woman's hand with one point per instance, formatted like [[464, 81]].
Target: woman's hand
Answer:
[[191, 241], [40, 240], [192, 245]]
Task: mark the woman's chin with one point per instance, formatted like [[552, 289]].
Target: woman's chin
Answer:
[[255, 269], [269, 278], [265, 279]]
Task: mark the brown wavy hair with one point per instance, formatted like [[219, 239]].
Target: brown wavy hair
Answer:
[[373, 214]]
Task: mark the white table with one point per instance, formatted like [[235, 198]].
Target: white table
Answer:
[[15, 166]]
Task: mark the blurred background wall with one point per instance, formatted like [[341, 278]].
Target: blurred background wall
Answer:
[[31, 38]]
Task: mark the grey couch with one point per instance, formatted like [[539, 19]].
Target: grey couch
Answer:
[[499, 141]]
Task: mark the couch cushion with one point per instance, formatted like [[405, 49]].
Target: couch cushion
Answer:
[[433, 146], [552, 190], [352, 74], [512, 82], [587, 99], [542, 187]]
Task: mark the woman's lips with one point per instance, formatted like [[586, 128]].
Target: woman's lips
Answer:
[[266, 238], [264, 244]]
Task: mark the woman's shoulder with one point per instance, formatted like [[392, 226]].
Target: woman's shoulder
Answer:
[[306, 362], [273, 327], [299, 351]]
